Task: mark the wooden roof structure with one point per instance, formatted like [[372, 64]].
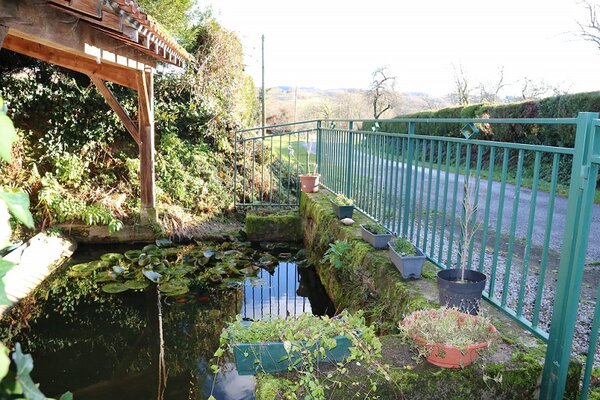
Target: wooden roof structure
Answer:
[[108, 40]]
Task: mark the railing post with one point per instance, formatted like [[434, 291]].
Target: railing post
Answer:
[[407, 169], [349, 160], [235, 136], [572, 261], [319, 147]]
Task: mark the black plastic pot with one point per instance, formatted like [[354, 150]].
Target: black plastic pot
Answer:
[[342, 211], [464, 295]]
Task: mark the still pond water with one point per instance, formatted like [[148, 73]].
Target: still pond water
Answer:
[[104, 346]]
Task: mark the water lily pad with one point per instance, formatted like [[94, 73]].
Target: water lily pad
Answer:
[[111, 257], [79, 267], [137, 284], [133, 255], [107, 276], [79, 274], [98, 264], [164, 242], [152, 275], [118, 269], [116, 287], [175, 291], [144, 260], [149, 247]]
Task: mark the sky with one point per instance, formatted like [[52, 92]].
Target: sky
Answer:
[[338, 44]]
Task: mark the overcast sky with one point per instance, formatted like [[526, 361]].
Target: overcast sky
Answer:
[[338, 44]]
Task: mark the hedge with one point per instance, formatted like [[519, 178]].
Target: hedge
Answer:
[[564, 106]]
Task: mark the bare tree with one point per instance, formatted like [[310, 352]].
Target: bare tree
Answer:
[[490, 92], [590, 30], [382, 92], [462, 93]]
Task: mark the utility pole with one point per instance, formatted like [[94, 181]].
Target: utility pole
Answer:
[[264, 120]]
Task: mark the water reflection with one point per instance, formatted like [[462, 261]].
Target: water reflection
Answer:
[[276, 296], [136, 345]]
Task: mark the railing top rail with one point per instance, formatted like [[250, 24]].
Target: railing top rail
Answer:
[[274, 135], [312, 121], [491, 143], [539, 121]]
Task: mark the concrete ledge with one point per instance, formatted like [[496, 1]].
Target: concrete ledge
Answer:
[[372, 284], [100, 234], [34, 261]]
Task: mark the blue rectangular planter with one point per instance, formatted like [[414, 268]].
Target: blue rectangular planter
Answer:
[[342, 211], [378, 241], [251, 358]]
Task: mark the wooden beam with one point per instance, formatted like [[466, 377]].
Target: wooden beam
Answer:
[[102, 70], [117, 108], [146, 129], [3, 33]]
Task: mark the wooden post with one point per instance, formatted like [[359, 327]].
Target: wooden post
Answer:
[[146, 130], [3, 33]]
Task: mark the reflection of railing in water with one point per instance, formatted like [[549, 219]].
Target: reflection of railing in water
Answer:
[[276, 296], [287, 291]]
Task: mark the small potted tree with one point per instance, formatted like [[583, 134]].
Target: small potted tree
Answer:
[[462, 287], [343, 207], [406, 258], [376, 235], [309, 181], [447, 337]]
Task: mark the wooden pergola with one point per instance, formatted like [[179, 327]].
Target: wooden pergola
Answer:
[[108, 40]]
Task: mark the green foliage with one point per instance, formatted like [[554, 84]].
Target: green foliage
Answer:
[[342, 200], [70, 132], [306, 339], [176, 16], [339, 255], [375, 229], [63, 206], [403, 247], [70, 169], [564, 106]]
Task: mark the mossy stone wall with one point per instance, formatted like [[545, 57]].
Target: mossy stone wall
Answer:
[[512, 370], [274, 228]]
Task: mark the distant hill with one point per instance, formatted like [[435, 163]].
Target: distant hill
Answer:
[[288, 103]]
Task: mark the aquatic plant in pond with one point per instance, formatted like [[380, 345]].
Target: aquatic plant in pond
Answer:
[[174, 270]]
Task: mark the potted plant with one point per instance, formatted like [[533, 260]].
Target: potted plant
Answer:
[[462, 287], [376, 235], [447, 337], [343, 207], [406, 258], [309, 181], [281, 344]]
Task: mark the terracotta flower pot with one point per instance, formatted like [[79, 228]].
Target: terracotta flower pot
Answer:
[[309, 183], [451, 356], [445, 355]]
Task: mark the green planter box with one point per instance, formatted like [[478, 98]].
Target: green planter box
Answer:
[[251, 358], [342, 211]]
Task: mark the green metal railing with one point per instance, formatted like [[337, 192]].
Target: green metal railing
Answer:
[[414, 183], [267, 166]]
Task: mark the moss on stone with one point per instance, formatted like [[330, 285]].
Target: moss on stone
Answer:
[[278, 227], [269, 387], [376, 287]]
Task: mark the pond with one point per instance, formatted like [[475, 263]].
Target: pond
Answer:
[[147, 344]]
